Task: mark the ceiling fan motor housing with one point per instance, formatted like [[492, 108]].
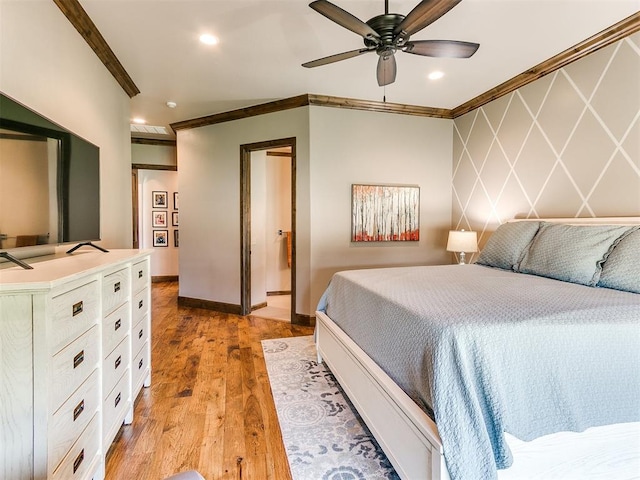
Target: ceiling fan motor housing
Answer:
[[385, 25]]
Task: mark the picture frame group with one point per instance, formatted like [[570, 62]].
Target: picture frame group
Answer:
[[160, 218]]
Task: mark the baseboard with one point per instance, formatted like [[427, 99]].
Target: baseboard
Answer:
[[209, 305], [259, 305], [164, 278], [304, 320], [279, 292]]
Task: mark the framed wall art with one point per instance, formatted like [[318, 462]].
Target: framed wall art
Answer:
[[159, 199], [161, 238], [176, 238], [175, 201], [174, 219], [159, 219], [385, 213]]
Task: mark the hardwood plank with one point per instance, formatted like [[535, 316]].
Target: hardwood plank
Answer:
[[210, 406]]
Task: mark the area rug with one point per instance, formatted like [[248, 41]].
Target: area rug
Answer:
[[324, 436]]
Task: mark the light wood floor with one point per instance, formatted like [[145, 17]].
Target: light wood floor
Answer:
[[209, 407]]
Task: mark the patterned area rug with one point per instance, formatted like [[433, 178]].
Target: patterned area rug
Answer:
[[324, 436]]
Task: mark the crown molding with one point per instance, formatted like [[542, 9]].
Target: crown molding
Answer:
[[88, 30], [312, 99], [600, 40], [153, 141]]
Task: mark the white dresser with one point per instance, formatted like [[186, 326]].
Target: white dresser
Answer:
[[74, 354]]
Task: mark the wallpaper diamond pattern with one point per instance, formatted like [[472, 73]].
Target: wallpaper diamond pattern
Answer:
[[566, 145]]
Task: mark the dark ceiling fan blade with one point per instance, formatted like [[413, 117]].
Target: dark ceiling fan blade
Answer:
[[344, 18], [441, 48], [337, 57], [425, 13], [386, 70]]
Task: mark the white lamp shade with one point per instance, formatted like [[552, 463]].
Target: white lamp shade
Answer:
[[462, 241]]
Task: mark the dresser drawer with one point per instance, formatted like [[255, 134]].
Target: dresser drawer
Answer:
[[115, 328], [68, 423], [140, 305], [80, 462], [115, 289], [114, 409], [114, 366], [72, 365], [139, 370], [140, 274], [139, 335], [73, 313]]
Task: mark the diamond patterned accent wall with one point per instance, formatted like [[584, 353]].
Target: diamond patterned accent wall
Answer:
[[566, 145]]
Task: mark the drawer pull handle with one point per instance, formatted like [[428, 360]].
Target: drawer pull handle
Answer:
[[116, 287], [77, 308], [140, 364], [78, 410], [78, 461], [118, 398], [118, 361], [140, 274], [118, 323], [78, 359], [140, 334], [140, 303]]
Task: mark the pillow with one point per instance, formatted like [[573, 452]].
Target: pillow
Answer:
[[621, 270], [571, 253], [506, 245]]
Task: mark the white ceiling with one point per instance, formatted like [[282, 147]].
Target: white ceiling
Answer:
[[264, 42]]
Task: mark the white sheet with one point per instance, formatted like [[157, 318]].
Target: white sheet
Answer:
[[611, 452]]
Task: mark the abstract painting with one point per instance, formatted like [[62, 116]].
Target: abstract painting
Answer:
[[385, 213]]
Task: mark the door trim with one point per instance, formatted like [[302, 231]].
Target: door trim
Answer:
[[245, 220]]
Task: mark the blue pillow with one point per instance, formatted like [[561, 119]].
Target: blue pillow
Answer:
[[621, 270], [571, 253], [507, 244]]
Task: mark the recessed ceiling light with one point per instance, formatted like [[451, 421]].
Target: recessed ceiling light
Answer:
[[436, 75], [172, 104], [208, 39], [139, 120]]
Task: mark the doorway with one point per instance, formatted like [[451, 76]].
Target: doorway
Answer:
[[286, 146]]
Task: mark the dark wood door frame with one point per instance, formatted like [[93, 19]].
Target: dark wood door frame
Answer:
[[245, 220]]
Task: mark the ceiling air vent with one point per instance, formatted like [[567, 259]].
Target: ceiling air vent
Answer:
[[149, 129]]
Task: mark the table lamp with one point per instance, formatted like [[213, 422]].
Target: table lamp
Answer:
[[461, 241]]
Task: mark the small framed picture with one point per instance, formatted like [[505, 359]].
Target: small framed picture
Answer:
[[159, 219], [175, 200], [176, 239], [161, 238], [174, 219], [159, 199]]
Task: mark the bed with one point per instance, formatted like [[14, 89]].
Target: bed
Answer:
[[540, 338]]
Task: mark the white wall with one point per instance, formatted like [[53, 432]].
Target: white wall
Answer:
[[47, 66], [164, 261], [278, 217], [335, 148], [258, 227], [146, 154], [351, 146]]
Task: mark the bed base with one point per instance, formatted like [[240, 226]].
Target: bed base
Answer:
[[406, 434]]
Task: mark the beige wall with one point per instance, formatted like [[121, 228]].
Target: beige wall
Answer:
[[352, 146], [47, 66], [567, 145], [209, 184], [335, 148]]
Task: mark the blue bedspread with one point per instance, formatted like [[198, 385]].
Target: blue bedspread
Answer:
[[492, 351]]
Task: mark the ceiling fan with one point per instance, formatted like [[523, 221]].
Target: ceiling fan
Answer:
[[388, 33]]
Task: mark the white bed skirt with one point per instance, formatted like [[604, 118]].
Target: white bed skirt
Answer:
[[411, 441]]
